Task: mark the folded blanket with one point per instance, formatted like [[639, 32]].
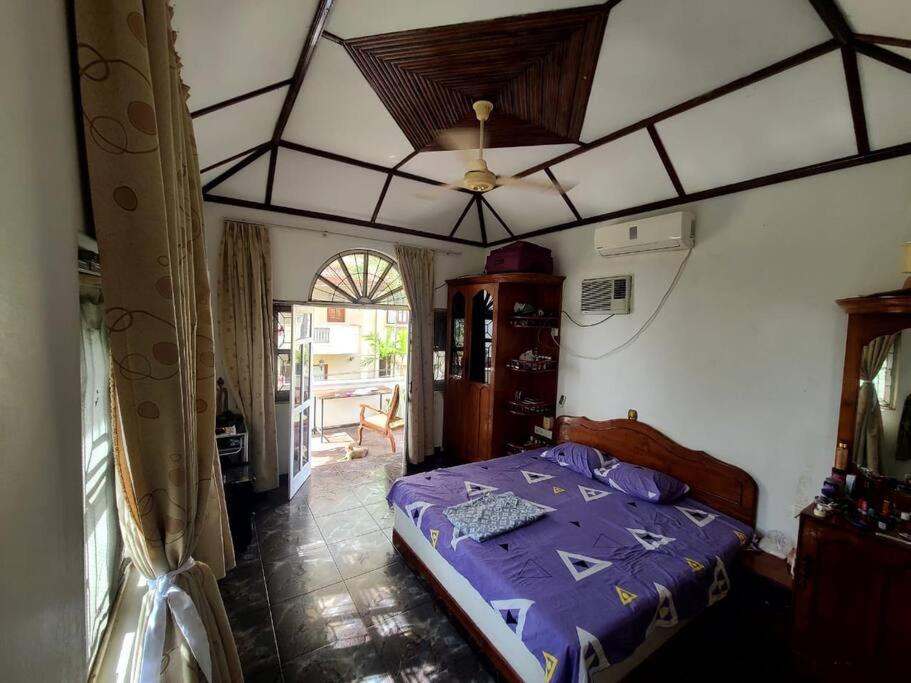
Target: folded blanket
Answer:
[[491, 515]]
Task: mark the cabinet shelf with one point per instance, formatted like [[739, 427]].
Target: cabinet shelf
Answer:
[[535, 321]]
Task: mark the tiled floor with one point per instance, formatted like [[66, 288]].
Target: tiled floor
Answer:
[[322, 595]]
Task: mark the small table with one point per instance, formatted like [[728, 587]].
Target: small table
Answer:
[[347, 392]]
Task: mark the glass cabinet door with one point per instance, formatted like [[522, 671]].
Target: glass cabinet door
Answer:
[[457, 340], [481, 355]]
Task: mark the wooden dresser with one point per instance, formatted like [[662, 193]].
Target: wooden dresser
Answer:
[[852, 610], [485, 336]]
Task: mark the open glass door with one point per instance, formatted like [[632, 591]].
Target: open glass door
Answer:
[[300, 402]]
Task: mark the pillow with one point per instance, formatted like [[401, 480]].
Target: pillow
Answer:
[[578, 458], [641, 482]]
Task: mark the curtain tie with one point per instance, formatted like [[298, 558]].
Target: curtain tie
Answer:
[[169, 596]]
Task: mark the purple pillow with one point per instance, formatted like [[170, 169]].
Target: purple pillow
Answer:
[[582, 459], [641, 482]]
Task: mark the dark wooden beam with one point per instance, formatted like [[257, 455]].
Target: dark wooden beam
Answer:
[[408, 157], [885, 56], [666, 160], [332, 218], [477, 201], [855, 97], [559, 187], [763, 181], [882, 40], [715, 93], [232, 158], [362, 164], [239, 166], [239, 98], [317, 26], [332, 38], [496, 215], [834, 20], [270, 178], [379, 202], [455, 227]]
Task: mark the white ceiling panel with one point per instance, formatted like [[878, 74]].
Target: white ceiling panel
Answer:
[[658, 53], [887, 101], [879, 17], [308, 182], [411, 204], [796, 118], [233, 129], [493, 228], [619, 175], [338, 111], [248, 183], [450, 166], [354, 18], [230, 47], [470, 227], [525, 209]]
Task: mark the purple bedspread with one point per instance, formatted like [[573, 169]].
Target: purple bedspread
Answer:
[[585, 585]]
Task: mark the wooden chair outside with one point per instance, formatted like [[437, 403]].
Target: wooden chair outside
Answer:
[[381, 421]]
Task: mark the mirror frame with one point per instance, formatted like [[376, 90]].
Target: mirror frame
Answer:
[[869, 317]]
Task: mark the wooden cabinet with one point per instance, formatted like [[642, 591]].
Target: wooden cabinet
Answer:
[[483, 336], [852, 601]]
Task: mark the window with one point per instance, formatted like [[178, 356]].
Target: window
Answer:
[[394, 317], [884, 382], [281, 315], [103, 548], [335, 315], [362, 278]]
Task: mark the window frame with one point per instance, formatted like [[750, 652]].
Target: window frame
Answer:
[[335, 314]]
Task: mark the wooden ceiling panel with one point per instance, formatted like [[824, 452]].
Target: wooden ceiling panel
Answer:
[[537, 70]]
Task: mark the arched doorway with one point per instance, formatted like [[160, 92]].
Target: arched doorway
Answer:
[[359, 357]]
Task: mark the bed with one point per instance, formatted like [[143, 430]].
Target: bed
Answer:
[[604, 579]]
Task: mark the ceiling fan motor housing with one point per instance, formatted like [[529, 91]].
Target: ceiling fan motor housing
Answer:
[[478, 178]]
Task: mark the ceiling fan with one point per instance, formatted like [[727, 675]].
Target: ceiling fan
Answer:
[[478, 177]]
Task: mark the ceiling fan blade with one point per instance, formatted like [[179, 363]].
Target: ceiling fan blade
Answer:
[[539, 185], [462, 140], [436, 191]]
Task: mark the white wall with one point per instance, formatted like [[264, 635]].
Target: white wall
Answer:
[[298, 254], [745, 360], [42, 629]]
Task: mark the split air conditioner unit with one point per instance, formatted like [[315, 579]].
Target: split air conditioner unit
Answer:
[[670, 232]]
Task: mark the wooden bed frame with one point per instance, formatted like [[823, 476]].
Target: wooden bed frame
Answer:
[[724, 487]]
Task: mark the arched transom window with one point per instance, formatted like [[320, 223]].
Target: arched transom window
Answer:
[[361, 278]]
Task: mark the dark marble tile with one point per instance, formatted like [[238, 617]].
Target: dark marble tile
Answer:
[[420, 644], [255, 642], [385, 591], [266, 676], [305, 571], [249, 555], [469, 667], [279, 543], [362, 554], [382, 513], [244, 589], [341, 526], [319, 618], [284, 517], [340, 662]]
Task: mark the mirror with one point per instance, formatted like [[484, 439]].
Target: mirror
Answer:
[[882, 441], [481, 337]]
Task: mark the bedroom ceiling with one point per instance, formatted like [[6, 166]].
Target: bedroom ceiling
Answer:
[[332, 109]]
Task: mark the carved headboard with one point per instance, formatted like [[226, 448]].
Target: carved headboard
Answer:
[[724, 487]]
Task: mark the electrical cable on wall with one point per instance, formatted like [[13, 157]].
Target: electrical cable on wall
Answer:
[[578, 324], [642, 329]]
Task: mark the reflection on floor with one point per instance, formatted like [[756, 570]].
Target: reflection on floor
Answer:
[[322, 595]]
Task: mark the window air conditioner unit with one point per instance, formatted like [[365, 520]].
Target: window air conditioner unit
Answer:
[[670, 232], [607, 295]]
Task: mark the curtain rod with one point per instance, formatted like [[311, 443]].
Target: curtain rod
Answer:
[[326, 233]]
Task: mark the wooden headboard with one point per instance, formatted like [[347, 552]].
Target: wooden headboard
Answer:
[[724, 487]]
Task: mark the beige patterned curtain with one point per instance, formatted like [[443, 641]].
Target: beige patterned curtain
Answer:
[[146, 201], [868, 432], [246, 339], [416, 268]]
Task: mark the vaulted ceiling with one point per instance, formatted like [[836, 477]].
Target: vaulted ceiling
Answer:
[[332, 109]]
